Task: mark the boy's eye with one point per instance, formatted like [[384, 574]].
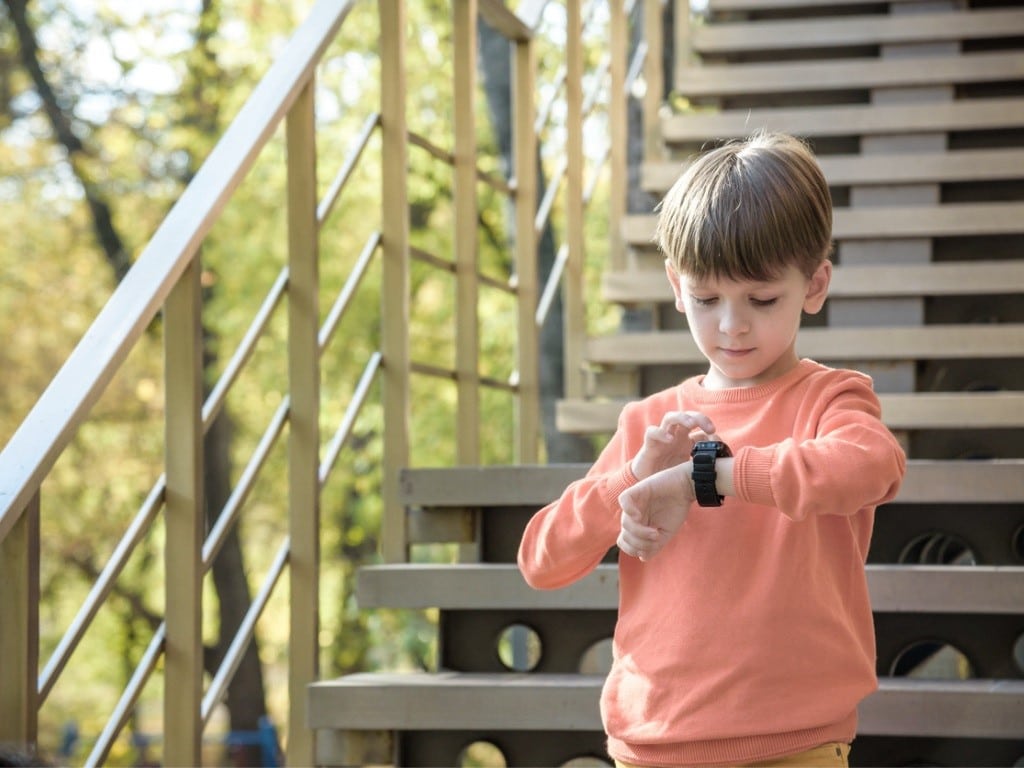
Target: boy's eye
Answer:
[[703, 301], [763, 302]]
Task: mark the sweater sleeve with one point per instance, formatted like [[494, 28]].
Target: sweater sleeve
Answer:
[[568, 538], [845, 460]]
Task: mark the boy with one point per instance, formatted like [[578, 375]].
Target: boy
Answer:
[[742, 500]]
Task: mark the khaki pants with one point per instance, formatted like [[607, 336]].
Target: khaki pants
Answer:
[[832, 755]]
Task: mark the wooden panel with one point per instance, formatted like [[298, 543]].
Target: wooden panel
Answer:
[[881, 222], [745, 79], [445, 700], [764, 5], [944, 342], [856, 30], [912, 410], [895, 168], [486, 486], [847, 120], [927, 481], [932, 279], [492, 586]]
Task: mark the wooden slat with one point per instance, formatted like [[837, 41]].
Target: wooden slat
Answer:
[[500, 586], [927, 481], [847, 120], [766, 5], [895, 168], [949, 278], [979, 708], [878, 29], [914, 410], [887, 222], [520, 485], [515, 701], [745, 79], [829, 344]]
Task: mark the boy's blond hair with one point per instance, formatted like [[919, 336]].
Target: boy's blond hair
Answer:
[[747, 210]]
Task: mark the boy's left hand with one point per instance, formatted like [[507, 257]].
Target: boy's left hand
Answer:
[[654, 509]]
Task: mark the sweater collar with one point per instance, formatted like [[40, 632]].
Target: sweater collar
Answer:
[[693, 388]]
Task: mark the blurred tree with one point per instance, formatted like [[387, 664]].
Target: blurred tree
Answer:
[[199, 101]]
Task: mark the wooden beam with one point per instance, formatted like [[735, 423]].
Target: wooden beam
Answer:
[[927, 481], [928, 342], [846, 120], [487, 701], [903, 410], [950, 278], [895, 168], [746, 79], [951, 220], [500, 586], [877, 29]]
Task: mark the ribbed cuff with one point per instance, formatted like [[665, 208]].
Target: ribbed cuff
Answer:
[[752, 475]]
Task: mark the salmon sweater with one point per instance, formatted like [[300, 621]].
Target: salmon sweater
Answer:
[[750, 634]]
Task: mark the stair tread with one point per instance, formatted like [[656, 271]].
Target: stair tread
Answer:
[[770, 35], [940, 342], [761, 5], [861, 73], [886, 222], [949, 278], [927, 481], [846, 120], [888, 168], [523, 701], [902, 410], [500, 586]]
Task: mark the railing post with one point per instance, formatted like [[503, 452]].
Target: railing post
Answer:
[[303, 421], [19, 629], [575, 309], [654, 77], [467, 293], [395, 272], [618, 106], [183, 363], [524, 151]]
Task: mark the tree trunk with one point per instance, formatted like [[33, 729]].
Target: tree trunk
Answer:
[[246, 698]]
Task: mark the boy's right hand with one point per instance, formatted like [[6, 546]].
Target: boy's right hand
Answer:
[[670, 442]]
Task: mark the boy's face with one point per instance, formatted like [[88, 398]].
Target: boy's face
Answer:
[[747, 329]]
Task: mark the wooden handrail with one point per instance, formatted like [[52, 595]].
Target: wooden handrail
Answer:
[[49, 427]]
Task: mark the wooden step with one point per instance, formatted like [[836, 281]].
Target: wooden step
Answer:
[[847, 74], [878, 29], [949, 278], [927, 481], [926, 342], [517, 701], [912, 410], [846, 120], [886, 222], [895, 168], [499, 586], [764, 5]]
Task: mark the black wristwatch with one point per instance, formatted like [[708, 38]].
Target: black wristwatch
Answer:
[[704, 454]]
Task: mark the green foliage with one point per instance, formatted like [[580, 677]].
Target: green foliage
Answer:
[[149, 92]]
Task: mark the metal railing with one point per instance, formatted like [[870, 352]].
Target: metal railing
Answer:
[[166, 281]]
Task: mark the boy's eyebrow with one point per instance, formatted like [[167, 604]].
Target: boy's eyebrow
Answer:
[[703, 285]]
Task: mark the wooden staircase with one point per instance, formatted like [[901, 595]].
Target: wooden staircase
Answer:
[[917, 112]]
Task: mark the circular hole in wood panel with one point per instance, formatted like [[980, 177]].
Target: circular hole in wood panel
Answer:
[[519, 647]]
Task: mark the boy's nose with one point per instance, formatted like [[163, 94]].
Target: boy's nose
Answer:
[[732, 322]]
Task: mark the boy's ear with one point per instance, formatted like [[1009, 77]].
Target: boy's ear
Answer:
[[677, 287], [817, 288]]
